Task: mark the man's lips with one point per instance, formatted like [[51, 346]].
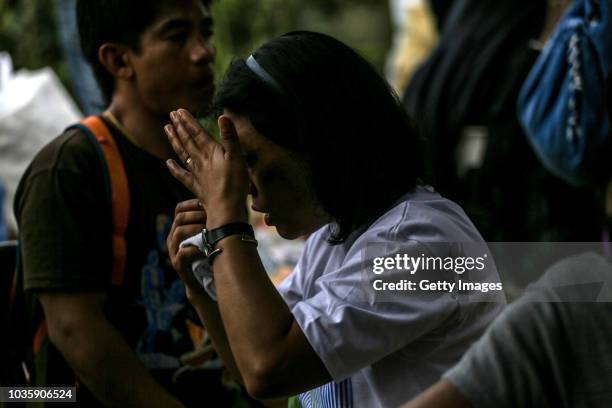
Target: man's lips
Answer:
[[205, 82], [204, 86]]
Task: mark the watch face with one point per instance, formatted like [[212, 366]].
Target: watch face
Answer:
[[205, 243], [211, 237]]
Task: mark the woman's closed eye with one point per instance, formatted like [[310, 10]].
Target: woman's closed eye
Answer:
[[250, 159]]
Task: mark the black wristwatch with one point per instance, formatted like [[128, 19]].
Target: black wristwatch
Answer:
[[211, 237]]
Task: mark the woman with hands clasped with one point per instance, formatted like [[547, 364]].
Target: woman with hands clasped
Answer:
[[318, 140]]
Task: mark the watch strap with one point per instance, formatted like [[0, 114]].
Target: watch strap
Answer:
[[211, 237]]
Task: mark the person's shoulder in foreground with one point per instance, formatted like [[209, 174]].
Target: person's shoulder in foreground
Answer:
[[550, 348]]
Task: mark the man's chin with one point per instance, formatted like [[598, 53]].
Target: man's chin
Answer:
[[199, 104], [199, 110]]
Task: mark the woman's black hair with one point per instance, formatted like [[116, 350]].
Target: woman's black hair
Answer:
[[339, 115]]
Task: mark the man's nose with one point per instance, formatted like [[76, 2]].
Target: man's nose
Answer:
[[202, 50]]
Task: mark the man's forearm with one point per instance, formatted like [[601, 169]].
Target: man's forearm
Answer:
[[109, 368]]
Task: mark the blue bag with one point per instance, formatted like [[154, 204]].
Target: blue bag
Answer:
[[562, 103]]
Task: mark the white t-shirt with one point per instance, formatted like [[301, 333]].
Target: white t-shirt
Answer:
[[383, 351]]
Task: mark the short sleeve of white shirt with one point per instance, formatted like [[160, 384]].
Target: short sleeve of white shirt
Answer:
[[347, 326]]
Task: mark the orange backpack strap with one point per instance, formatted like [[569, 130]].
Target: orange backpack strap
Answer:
[[118, 193], [116, 184]]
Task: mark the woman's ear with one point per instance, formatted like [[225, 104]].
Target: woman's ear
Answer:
[[114, 57]]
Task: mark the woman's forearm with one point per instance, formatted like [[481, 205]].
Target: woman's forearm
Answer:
[[272, 352], [255, 317], [208, 311]]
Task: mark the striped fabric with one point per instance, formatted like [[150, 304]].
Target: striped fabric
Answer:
[[330, 395]]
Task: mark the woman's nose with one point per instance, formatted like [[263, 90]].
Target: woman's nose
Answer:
[[252, 189]]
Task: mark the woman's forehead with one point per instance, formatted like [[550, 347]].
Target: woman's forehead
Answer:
[[254, 142], [249, 137]]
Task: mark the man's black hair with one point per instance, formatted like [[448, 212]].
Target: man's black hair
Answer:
[[337, 113], [120, 21]]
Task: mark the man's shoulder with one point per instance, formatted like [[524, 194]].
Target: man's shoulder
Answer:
[[67, 163], [69, 151]]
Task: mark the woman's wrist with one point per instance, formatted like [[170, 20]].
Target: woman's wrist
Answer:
[[219, 218]]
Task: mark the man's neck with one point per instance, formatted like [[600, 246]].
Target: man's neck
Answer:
[[145, 128]]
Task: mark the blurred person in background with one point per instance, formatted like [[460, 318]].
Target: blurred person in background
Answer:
[[553, 346], [418, 24], [84, 84], [550, 348], [463, 100]]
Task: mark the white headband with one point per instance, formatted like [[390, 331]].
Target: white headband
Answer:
[[263, 74]]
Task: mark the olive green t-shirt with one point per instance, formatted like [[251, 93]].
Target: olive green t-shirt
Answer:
[[65, 226]]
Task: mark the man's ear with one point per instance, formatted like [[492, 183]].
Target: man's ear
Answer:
[[114, 57]]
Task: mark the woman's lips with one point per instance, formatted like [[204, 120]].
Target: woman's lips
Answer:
[[267, 219], [256, 209]]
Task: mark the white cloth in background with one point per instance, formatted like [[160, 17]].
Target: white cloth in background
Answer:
[[34, 108]]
